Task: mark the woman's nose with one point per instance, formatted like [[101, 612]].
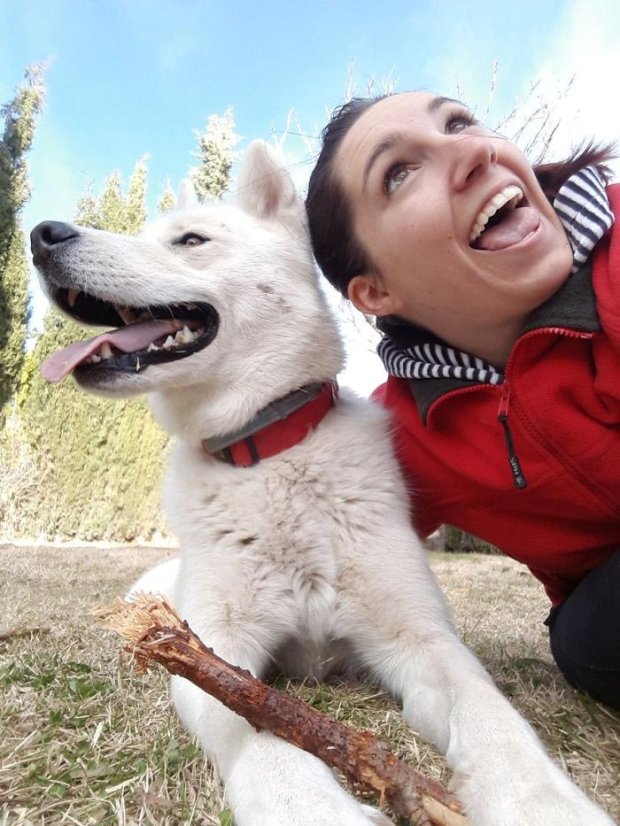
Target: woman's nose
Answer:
[[472, 156]]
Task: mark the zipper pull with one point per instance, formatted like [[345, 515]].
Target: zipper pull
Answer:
[[513, 460]]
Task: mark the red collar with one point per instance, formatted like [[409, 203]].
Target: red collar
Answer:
[[277, 427]]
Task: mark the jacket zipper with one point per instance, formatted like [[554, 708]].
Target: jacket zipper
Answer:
[[518, 476], [513, 460]]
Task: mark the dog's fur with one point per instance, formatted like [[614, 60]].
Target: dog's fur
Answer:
[[308, 558]]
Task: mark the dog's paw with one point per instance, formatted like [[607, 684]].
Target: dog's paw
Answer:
[[544, 798]]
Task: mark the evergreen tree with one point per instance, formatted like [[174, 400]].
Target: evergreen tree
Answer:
[[215, 151], [86, 211], [102, 460], [19, 122], [112, 207], [135, 213], [168, 199], [112, 210]]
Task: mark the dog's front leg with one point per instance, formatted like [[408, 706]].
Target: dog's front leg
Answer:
[[267, 781], [401, 629], [501, 771]]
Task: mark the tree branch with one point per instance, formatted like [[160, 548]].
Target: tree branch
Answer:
[[156, 633]]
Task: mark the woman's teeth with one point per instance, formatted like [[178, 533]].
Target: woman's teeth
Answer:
[[511, 195]]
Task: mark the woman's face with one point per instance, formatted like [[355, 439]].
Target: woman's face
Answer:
[[422, 176]]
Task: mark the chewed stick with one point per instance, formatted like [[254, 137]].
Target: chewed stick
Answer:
[[156, 633]]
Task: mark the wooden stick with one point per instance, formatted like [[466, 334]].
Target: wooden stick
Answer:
[[157, 633]]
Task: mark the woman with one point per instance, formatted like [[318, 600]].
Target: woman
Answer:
[[497, 286]]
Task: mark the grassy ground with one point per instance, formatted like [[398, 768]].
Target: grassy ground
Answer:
[[83, 740]]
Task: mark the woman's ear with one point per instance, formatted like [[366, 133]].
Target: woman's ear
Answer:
[[369, 295]]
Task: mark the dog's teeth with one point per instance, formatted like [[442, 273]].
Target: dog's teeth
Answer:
[[152, 347], [94, 359], [184, 336], [168, 343], [137, 364], [126, 314], [106, 351], [72, 297]]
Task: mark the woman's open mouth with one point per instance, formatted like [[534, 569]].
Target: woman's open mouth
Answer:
[[152, 334], [505, 220]]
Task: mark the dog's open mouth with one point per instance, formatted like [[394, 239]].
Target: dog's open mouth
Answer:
[[143, 335]]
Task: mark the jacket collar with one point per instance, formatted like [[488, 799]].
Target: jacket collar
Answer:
[[572, 307], [277, 427]]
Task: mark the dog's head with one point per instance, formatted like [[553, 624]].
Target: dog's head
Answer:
[[217, 295]]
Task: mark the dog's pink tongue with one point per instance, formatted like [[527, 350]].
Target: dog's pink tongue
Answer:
[[126, 339], [512, 229]]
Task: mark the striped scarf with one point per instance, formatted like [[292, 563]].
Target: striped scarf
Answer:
[[583, 208]]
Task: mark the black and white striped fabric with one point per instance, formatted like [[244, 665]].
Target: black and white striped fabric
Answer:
[[583, 208], [434, 361]]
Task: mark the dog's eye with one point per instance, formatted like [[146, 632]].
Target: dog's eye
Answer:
[[190, 239]]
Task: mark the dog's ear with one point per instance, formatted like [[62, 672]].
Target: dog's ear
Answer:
[[264, 187], [187, 197]]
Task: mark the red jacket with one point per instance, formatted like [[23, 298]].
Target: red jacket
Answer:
[[531, 465]]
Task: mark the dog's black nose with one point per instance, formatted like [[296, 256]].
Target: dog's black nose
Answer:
[[47, 235]]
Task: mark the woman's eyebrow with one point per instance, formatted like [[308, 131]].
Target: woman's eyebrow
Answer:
[[391, 140], [438, 101]]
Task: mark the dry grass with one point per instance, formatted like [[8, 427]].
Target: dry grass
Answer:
[[83, 740]]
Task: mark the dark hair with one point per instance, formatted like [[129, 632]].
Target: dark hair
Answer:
[[338, 252], [551, 176], [336, 249]]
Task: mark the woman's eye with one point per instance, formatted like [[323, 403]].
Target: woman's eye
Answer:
[[395, 176], [457, 123], [191, 239]]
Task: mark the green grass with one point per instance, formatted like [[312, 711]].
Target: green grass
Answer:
[[85, 740]]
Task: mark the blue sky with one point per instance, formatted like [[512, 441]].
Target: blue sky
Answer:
[[133, 77]]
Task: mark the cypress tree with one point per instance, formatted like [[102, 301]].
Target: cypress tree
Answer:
[[135, 211], [19, 117], [215, 152], [102, 459], [86, 211], [112, 207], [167, 200]]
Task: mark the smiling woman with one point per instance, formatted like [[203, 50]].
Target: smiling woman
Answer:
[[497, 288]]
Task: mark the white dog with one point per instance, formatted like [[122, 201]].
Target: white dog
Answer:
[[292, 516]]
